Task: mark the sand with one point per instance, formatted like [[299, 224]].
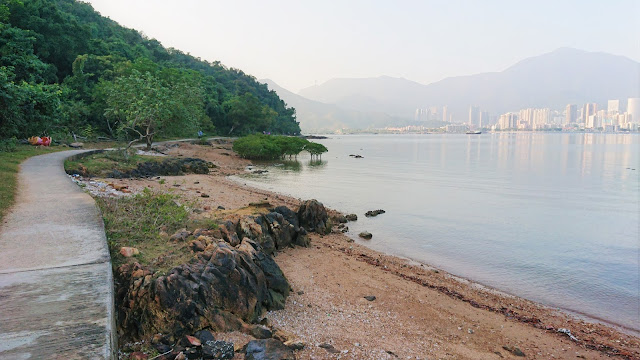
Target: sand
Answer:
[[418, 313]]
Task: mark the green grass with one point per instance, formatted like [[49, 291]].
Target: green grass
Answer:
[[146, 221], [9, 166], [102, 164]]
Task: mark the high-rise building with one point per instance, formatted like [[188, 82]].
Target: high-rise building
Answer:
[[571, 115], [508, 121], [613, 107], [474, 115], [589, 109], [484, 119], [633, 110], [540, 118], [445, 114]]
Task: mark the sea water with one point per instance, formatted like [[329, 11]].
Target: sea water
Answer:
[[551, 217]]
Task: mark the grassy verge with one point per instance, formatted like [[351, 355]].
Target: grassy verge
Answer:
[[146, 221], [102, 164], [9, 165]]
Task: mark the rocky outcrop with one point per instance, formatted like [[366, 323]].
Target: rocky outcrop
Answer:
[[313, 216], [229, 284], [222, 288], [168, 167], [373, 213]]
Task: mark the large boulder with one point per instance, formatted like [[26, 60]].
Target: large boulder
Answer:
[[222, 288], [314, 217]]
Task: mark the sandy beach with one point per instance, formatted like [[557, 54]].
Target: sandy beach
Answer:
[[419, 312]]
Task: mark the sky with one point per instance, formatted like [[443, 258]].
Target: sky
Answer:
[[299, 43]]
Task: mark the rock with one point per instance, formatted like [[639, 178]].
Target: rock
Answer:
[[283, 335], [351, 217], [129, 251], [218, 350], [220, 207], [162, 348], [514, 350], [168, 167], [372, 213], [138, 355], [180, 356], [370, 297], [314, 217], [341, 219], [197, 246], [329, 348], [345, 229], [76, 145], [222, 288], [295, 344], [203, 195], [269, 349], [180, 235], [204, 336], [289, 215], [259, 331], [191, 341], [365, 235]]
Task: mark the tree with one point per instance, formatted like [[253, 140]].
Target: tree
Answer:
[[315, 149], [245, 114], [143, 105]]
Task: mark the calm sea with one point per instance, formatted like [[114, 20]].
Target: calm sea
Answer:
[[549, 217]]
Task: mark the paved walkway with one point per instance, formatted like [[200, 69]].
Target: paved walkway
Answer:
[[56, 286]]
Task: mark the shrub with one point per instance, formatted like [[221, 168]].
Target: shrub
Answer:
[[9, 145], [271, 147]]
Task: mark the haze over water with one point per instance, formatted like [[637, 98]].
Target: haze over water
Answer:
[[550, 217]]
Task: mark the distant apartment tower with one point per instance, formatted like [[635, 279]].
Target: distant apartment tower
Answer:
[[613, 107], [571, 115], [484, 119], [474, 115], [540, 118], [589, 110], [445, 114], [508, 121], [633, 110]]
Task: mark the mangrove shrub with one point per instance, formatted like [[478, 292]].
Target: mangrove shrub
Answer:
[[271, 147]]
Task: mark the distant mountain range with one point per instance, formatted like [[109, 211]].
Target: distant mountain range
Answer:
[[315, 116], [551, 80]]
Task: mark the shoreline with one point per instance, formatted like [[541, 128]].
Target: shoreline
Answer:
[[436, 292], [236, 178]]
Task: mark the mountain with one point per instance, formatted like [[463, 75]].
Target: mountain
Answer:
[[315, 116], [550, 80], [62, 66]]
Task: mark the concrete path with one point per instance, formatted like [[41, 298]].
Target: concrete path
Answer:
[[56, 286]]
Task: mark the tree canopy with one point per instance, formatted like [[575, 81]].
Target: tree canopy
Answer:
[[270, 147], [64, 68]]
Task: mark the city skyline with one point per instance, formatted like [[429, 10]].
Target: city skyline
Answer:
[[588, 116]]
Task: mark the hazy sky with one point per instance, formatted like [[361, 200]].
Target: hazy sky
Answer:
[[299, 43]]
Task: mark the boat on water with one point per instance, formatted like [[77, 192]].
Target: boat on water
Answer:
[[474, 132]]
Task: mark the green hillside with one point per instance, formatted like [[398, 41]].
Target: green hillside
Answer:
[[66, 69]]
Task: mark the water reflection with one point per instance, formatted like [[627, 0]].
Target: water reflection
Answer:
[[317, 164], [292, 165]]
